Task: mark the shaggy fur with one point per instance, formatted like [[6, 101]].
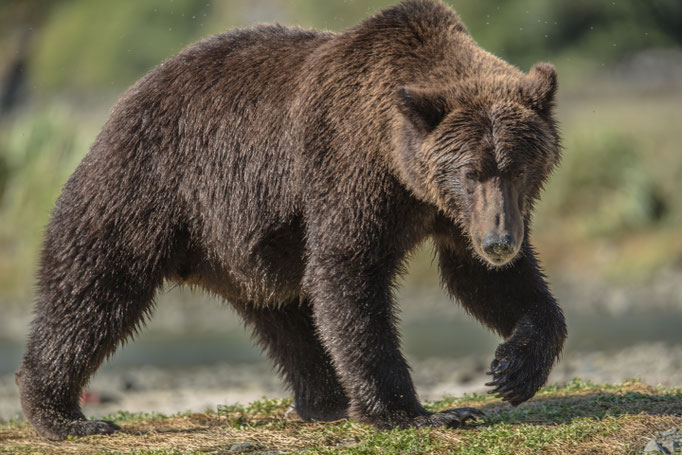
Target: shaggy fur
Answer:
[[291, 172]]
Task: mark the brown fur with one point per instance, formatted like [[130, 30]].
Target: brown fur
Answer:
[[291, 172]]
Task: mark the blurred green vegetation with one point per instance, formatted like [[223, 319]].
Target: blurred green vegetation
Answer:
[[39, 150], [613, 209], [81, 46]]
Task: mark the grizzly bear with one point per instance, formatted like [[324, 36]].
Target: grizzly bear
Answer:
[[291, 172]]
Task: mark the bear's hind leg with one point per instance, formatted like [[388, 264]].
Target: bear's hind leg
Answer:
[[90, 299], [288, 334]]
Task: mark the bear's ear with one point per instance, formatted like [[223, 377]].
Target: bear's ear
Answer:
[[424, 108], [539, 87]]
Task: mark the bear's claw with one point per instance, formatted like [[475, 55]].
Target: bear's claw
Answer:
[[517, 380], [451, 418], [90, 427], [58, 431], [497, 367], [517, 373]]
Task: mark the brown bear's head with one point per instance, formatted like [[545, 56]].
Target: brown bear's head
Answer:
[[480, 151]]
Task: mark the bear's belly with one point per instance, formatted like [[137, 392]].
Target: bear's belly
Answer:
[[265, 269]]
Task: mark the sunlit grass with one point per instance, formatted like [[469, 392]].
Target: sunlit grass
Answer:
[[578, 417]]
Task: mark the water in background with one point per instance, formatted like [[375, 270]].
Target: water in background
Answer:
[[436, 329]]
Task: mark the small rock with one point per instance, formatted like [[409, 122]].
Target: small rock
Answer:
[[668, 442], [291, 414], [241, 447], [350, 442]]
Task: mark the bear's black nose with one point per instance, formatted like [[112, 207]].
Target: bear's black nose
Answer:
[[498, 243]]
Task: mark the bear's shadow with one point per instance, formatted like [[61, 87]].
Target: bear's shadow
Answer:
[[557, 410]]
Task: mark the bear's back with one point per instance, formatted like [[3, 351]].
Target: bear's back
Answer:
[[202, 142]]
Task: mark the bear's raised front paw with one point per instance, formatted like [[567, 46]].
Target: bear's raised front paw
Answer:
[[451, 418], [518, 373]]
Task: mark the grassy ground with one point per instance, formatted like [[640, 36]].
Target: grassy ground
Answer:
[[577, 418]]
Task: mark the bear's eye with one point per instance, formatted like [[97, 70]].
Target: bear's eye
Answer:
[[519, 175], [473, 176]]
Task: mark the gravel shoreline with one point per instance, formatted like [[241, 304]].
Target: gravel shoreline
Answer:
[[171, 390], [185, 309], [182, 388]]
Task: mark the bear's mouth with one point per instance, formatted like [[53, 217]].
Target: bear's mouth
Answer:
[[498, 260]]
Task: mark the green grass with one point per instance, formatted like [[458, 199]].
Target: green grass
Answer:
[[578, 417]]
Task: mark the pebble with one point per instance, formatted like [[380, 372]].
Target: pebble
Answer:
[[242, 447], [668, 442], [350, 442]]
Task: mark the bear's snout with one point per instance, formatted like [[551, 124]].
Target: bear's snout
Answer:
[[496, 225], [499, 246]]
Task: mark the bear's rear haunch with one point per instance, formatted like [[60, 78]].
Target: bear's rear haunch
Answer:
[[291, 172]]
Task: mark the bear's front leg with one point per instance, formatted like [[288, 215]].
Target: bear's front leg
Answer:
[[353, 313], [515, 301]]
